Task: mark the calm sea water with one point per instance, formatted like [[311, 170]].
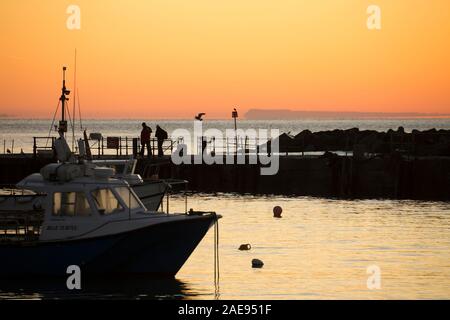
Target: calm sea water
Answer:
[[320, 249], [22, 131]]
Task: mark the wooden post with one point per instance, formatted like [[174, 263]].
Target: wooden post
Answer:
[[391, 141], [34, 147], [185, 198], [135, 147], [167, 204], [245, 144]]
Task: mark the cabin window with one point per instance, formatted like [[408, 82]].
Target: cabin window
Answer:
[[128, 198], [70, 204], [106, 201]]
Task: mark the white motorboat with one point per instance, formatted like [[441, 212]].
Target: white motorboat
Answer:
[[91, 219]]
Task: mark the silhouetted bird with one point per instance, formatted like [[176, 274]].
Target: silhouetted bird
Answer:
[[8, 151], [21, 151], [199, 116]]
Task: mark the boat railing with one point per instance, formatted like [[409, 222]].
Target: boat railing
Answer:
[[174, 186], [8, 190], [20, 225], [41, 148]]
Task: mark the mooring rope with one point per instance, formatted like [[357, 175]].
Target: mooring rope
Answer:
[[216, 258]]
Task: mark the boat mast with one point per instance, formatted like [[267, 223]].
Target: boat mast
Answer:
[[74, 98], [63, 123]]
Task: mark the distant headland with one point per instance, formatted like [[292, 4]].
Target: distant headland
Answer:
[[285, 114]]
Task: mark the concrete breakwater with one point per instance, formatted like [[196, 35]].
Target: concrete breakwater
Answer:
[[416, 143], [329, 176]]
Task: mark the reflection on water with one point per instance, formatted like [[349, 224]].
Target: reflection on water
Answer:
[[320, 249], [119, 287]]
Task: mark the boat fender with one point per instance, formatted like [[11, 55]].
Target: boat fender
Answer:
[[193, 212], [245, 246], [256, 263]]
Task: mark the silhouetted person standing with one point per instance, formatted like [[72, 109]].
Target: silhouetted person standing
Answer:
[[145, 139], [160, 135]]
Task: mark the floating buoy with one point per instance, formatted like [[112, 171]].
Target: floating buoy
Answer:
[[277, 211], [245, 246], [256, 263]]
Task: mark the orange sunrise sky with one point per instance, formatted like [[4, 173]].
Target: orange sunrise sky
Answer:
[[173, 58]]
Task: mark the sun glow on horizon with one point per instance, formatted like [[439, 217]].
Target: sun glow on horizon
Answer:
[[172, 59]]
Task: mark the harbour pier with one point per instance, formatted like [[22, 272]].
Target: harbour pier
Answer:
[[329, 175]]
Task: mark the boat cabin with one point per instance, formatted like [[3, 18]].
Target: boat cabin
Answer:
[[77, 200]]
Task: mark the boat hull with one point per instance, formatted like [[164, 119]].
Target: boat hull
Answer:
[[150, 193], [159, 250]]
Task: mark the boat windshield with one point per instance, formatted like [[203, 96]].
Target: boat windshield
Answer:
[[128, 198], [70, 204], [106, 201]]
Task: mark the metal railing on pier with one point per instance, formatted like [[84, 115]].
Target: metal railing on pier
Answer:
[[415, 143], [105, 146], [8, 146]]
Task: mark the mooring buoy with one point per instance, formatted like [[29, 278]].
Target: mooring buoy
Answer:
[[245, 246], [277, 210], [256, 263]]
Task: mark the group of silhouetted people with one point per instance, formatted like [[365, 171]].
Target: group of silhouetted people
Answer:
[[160, 135]]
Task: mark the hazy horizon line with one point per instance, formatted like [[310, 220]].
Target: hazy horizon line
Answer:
[[288, 114], [241, 119], [253, 114]]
